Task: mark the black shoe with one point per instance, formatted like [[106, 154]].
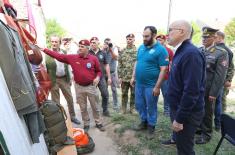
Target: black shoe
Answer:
[[141, 126], [169, 142], [75, 120], [86, 128], [217, 128], [203, 139], [100, 127], [106, 114], [198, 132], [151, 132]]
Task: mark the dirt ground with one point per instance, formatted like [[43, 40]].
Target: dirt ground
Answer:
[[103, 141], [110, 142]]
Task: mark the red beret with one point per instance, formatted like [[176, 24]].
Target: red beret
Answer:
[[130, 35], [161, 36], [84, 42], [94, 38]]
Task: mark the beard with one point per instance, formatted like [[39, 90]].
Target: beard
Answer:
[[149, 42]]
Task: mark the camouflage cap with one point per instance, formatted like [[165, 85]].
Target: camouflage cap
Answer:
[[208, 31]]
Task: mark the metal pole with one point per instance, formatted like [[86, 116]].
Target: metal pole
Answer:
[[169, 15]]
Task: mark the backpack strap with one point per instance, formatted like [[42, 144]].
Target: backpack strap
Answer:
[[63, 111]]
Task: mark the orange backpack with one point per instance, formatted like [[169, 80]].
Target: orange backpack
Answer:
[[80, 137]]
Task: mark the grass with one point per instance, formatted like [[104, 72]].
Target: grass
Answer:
[[163, 132]]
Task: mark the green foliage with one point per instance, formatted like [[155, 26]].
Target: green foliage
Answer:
[[230, 32], [196, 34], [53, 27], [161, 31]]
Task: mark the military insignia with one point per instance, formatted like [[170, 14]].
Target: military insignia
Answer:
[[83, 42], [88, 65], [151, 51], [224, 63], [101, 56]]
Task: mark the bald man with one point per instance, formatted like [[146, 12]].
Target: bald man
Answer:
[[186, 88]]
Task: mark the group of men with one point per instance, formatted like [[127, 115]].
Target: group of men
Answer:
[[88, 75], [192, 80]]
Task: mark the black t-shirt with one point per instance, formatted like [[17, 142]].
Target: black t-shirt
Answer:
[[102, 57]]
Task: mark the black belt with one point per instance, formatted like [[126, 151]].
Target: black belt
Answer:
[[61, 76], [85, 85]]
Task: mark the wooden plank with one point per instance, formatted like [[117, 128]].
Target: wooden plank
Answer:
[[70, 149]]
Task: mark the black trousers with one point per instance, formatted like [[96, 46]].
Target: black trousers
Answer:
[[185, 138], [104, 94]]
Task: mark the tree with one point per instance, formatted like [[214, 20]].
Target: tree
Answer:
[[196, 34], [53, 27], [230, 32]]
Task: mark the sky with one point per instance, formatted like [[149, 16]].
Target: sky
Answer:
[[117, 18]]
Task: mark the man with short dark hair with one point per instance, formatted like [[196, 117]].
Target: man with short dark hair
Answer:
[[220, 37], [102, 57], [149, 72], [126, 64], [112, 56]]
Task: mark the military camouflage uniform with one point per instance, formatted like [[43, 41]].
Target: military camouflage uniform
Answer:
[[216, 70], [126, 62]]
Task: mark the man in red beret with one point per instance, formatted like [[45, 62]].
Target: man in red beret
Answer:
[[162, 39], [87, 74]]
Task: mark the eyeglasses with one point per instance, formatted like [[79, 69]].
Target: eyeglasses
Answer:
[[171, 29]]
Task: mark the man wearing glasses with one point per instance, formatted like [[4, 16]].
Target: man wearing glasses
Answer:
[[216, 70], [148, 74], [186, 88], [102, 57]]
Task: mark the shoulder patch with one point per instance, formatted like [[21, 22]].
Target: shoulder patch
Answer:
[[212, 49]]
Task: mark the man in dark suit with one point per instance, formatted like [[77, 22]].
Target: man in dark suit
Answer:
[[186, 88]]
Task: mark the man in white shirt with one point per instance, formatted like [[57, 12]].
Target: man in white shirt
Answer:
[[60, 77]]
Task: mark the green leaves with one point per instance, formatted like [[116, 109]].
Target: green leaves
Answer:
[[230, 33], [54, 28]]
